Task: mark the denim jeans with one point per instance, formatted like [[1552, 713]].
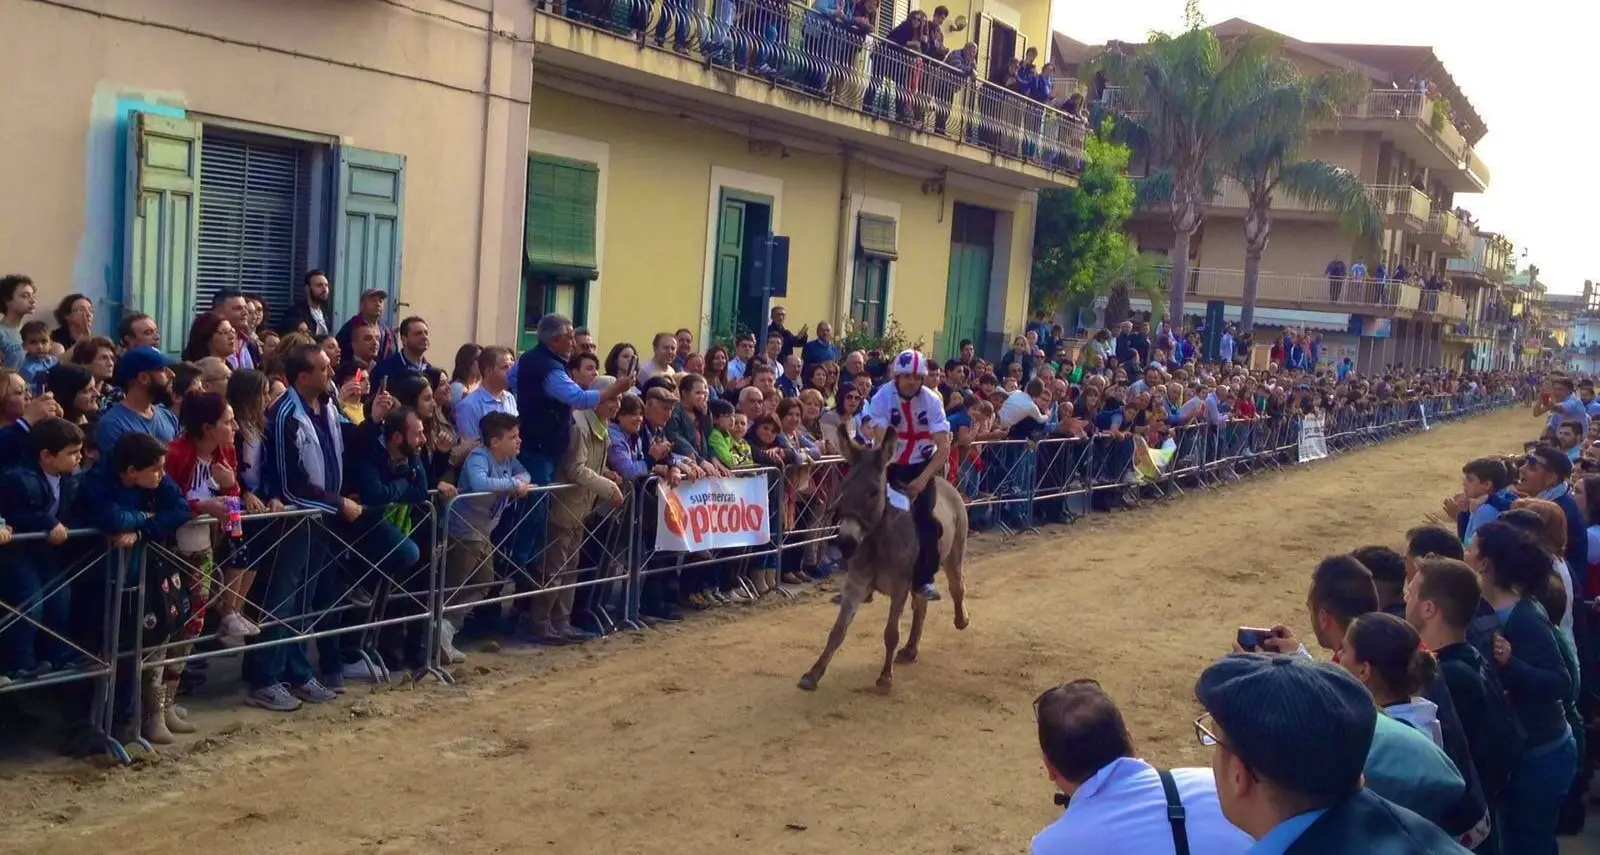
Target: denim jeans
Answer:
[[22, 644], [527, 518], [287, 598], [374, 542], [1532, 801]]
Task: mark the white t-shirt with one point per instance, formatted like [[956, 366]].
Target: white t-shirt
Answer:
[[1122, 810], [916, 421], [1020, 405]]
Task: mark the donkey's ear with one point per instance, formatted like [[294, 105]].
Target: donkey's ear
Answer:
[[850, 450], [885, 449]]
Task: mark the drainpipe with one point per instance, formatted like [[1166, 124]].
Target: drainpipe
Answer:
[[841, 246]]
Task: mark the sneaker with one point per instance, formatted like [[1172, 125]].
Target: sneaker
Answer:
[[360, 672], [36, 670], [275, 698], [334, 682], [578, 636], [313, 692], [234, 625], [447, 647], [931, 592]]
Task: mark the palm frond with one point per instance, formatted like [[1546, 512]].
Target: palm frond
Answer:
[[1332, 188]]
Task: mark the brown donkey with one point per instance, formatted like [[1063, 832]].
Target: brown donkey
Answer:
[[879, 541]]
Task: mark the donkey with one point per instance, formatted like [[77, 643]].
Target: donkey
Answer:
[[880, 542]]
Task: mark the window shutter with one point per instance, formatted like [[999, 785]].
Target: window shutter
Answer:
[[982, 34], [875, 236], [369, 229], [163, 220], [559, 229], [252, 217], [890, 14]]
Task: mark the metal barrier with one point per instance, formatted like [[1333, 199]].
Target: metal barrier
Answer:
[[354, 589]]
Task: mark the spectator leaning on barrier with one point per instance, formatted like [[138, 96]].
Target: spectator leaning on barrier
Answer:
[[302, 464], [491, 468], [584, 467], [1116, 802], [39, 496]]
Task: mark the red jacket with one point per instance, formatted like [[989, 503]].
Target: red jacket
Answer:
[[181, 463]]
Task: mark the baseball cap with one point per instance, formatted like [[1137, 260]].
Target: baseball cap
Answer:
[[137, 361], [1303, 724]]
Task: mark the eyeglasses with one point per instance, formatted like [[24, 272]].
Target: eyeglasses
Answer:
[[1204, 734]]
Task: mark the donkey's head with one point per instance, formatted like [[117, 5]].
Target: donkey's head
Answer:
[[863, 495]]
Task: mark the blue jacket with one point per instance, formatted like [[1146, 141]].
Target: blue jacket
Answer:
[[14, 444], [377, 481], [114, 509], [25, 499], [1467, 523], [817, 350], [1577, 554], [1367, 824], [1536, 676], [1406, 768]]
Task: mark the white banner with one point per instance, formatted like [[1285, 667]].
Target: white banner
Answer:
[[1313, 445], [713, 513]]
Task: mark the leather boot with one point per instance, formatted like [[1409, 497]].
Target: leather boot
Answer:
[[153, 712], [169, 710]]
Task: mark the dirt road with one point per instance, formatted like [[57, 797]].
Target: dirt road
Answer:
[[695, 739]]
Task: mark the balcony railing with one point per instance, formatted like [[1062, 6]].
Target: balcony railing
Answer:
[[1403, 207], [1445, 228], [788, 45], [1320, 293], [1416, 106], [1476, 266], [1443, 305]]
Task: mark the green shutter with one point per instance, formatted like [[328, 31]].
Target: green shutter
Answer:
[[369, 228], [876, 237], [163, 220], [560, 226]]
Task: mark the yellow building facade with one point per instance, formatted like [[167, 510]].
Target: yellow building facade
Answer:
[[680, 173]]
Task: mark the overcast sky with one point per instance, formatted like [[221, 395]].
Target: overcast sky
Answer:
[[1527, 67]]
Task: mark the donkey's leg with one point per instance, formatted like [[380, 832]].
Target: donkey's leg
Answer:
[[919, 613], [891, 633], [952, 575], [855, 590]]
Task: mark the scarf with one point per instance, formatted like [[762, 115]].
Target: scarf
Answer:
[[587, 419]]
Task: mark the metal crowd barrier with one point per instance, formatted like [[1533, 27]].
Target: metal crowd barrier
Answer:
[[358, 607]]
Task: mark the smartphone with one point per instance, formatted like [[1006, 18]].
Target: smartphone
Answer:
[[361, 375], [1250, 638]]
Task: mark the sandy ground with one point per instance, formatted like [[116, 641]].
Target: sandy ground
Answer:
[[695, 740]]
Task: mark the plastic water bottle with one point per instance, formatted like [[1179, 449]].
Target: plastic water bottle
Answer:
[[235, 524]]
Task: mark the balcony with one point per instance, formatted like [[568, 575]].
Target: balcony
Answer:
[[1442, 306], [1309, 293], [1475, 267], [1417, 123], [751, 64], [1404, 208], [1444, 234]]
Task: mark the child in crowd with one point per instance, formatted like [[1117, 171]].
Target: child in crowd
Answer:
[[129, 497], [37, 356], [727, 442], [1485, 495], [490, 468], [39, 497]]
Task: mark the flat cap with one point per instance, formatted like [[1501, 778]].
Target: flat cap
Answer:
[[1303, 724]]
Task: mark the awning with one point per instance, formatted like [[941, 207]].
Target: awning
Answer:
[[875, 236], [559, 230]]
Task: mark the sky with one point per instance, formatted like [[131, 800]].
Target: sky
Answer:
[[1526, 67]]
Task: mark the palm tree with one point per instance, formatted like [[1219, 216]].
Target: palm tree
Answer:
[[1185, 100], [1267, 162], [1134, 273]]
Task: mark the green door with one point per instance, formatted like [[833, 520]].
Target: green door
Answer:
[[725, 284], [967, 290]]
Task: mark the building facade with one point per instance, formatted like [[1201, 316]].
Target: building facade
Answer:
[[1410, 139], [176, 147], [717, 158]]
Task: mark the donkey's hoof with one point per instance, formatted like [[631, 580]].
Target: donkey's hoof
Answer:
[[809, 683], [883, 685], [961, 620], [906, 656]]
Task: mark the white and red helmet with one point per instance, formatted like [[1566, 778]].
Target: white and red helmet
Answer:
[[909, 362]]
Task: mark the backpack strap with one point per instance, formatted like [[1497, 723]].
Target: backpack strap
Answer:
[[1175, 812]]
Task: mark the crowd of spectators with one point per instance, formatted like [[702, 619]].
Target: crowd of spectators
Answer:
[[218, 457], [1457, 713]]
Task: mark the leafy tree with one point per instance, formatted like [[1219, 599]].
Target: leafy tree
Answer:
[[1267, 162], [1080, 250], [1185, 100]]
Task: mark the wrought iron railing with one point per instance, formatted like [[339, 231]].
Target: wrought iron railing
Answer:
[[829, 58]]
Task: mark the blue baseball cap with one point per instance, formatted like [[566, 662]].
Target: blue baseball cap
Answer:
[[137, 361]]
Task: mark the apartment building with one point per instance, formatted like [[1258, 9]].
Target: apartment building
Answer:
[[164, 149], [693, 162], [1482, 278], [1411, 140]]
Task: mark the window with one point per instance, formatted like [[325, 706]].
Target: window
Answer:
[[253, 216], [875, 251], [211, 207], [559, 237]]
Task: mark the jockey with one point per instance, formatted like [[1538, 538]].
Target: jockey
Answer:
[[922, 447]]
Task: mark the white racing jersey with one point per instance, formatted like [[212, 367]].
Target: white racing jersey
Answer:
[[916, 422]]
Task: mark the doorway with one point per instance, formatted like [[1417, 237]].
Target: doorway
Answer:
[[966, 306], [738, 293]]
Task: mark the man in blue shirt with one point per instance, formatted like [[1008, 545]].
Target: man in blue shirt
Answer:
[[1289, 738], [411, 356], [822, 348], [145, 375], [1565, 405], [493, 394]]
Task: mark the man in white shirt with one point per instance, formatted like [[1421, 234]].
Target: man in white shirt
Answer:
[[1119, 803], [922, 447], [665, 347], [1024, 404]]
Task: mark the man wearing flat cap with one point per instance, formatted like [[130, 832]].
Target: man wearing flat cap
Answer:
[[1289, 738]]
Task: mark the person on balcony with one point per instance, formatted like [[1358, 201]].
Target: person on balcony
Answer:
[[1335, 273]]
